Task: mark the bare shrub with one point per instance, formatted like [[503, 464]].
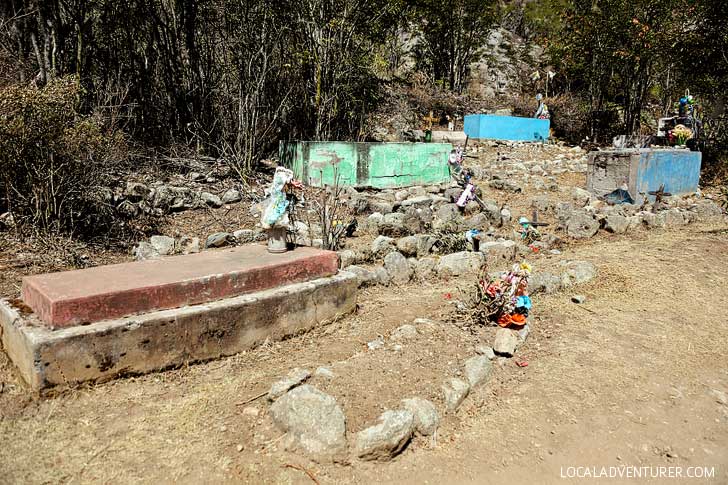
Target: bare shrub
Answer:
[[55, 164], [330, 213]]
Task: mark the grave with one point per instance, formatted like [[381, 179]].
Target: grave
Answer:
[[363, 164], [99, 323], [639, 171], [509, 128]]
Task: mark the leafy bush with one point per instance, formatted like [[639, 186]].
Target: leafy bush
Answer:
[[54, 162]]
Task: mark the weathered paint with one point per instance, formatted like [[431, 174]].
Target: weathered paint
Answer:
[[82, 296], [643, 171], [512, 128], [169, 338], [362, 164]]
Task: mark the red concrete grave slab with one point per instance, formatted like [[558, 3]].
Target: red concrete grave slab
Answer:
[[90, 295]]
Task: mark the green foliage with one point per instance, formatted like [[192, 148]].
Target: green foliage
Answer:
[[223, 77], [452, 37], [52, 159], [638, 54]]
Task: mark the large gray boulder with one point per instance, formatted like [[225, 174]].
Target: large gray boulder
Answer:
[[654, 221], [492, 211], [418, 201], [478, 221], [347, 257], [580, 196], [541, 203], [398, 267], [448, 212], [415, 218], [313, 422], [404, 332], [393, 225], [426, 417], [359, 203], [189, 245], [498, 252], [364, 277], [167, 197], [373, 221], [424, 244], [425, 267], [674, 217], [581, 225], [408, 245], [382, 246], [544, 283], [464, 262], [387, 438], [616, 223], [381, 206]]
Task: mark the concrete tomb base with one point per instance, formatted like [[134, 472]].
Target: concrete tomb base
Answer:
[[167, 338]]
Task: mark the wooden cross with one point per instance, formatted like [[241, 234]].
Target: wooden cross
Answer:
[[660, 193], [534, 220], [429, 120]]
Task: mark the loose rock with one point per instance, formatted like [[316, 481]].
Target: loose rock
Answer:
[[189, 245], [313, 421], [347, 257], [244, 236], [544, 283], [477, 370], [454, 392], [387, 438], [210, 200], [382, 276], [506, 342], [382, 245], [231, 196], [398, 267], [581, 197], [364, 277], [424, 268], [581, 225], [426, 417], [464, 262], [135, 191], [324, 372], [616, 223], [144, 251], [408, 245], [376, 344], [219, 239], [485, 351], [577, 272], [294, 378], [164, 245], [404, 332]]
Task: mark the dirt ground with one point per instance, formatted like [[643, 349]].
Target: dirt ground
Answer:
[[636, 376]]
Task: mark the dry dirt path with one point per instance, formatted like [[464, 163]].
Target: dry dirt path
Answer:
[[634, 378]]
